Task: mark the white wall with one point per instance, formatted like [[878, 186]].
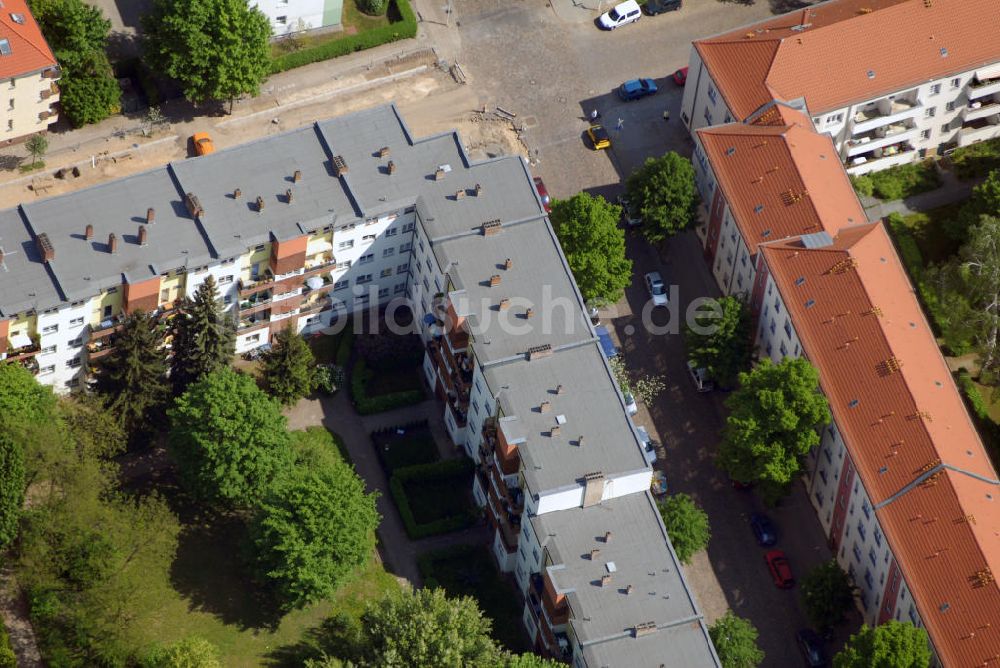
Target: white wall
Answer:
[[291, 15]]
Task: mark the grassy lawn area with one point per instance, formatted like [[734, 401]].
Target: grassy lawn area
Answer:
[[353, 21], [899, 182], [437, 498], [469, 571], [415, 446], [928, 230]]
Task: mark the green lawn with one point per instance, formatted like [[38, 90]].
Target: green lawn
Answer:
[[437, 498], [395, 380], [928, 230], [353, 21], [469, 571], [415, 446]]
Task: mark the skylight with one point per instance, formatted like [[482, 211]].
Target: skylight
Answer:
[[4, 47]]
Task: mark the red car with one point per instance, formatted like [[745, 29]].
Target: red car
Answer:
[[781, 571], [543, 194], [681, 76]]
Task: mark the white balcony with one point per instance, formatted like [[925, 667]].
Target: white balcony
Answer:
[[881, 137], [977, 89], [980, 109], [977, 131], [863, 165], [885, 112]]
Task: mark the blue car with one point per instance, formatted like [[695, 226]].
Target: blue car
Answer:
[[634, 89], [763, 529]]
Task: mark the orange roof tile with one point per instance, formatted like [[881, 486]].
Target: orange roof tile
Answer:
[[902, 420], [902, 42], [762, 169], [29, 52]]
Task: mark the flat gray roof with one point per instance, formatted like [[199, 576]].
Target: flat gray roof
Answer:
[[25, 282], [82, 267], [538, 279], [589, 406], [604, 617]]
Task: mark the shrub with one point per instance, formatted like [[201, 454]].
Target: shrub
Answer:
[[389, 351], [906, 180], [344, 347], [7, 658], [976, 160], [373, 7], [415, 446], [863, 185], [430, 473], [329, 378], [404, 28], [988, 429], [366, 405]]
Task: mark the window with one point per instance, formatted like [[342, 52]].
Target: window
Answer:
[[402, 268], [819, 499], [935, 89], [281, 20], [788, 328], [866, 509], [107, 311], [925, 134], [400, 287], [862, 530], [871, 555], [772, 326], [368, 237], [386, 272], [227, 300], [225, 280], [405, 248], [835, 118], [344, 245], [391, 232], [388, 252], [48, 350], [50, 329], [408, 226], [73, 363], [76, 343], [361, 299], [783, 349], [708, 116], [946, 128], [950, 106], [340, 285], [421, 244], [346, 264], [362, 279], [45, 370], [877, 533], [930, 112], [822, 474], [826, 453], [777, 305], [383, 293], [956, 83], [259, 248], [869, 580], [10, 121], [365, 259], [857, 552], [76, 321], [427, 285], [711, 94]]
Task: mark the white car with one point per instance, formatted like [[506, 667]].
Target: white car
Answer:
[[626, 12], [630, 406], [657, 290], [648, 445]]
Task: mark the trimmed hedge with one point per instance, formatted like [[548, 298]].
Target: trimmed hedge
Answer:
[[426, 561], [344, 346], [366, 405], [451, 468], [404, 28], [395, 451]]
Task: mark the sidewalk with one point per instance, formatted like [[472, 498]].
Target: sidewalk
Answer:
[[336, 413]]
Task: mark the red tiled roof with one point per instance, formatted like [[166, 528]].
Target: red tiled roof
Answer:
[[769, 166], [29, 52], [902, 42], [902, 420]]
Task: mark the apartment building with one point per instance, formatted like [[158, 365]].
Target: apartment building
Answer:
[[292, 16], [770, 177], [354, 214], [890, 81], [900, 481], [28, 75]]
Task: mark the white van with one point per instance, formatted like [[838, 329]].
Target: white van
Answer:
[[626, 12], [648, 445]]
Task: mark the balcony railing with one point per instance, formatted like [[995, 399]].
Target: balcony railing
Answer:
[[254, 302], [882, 159], [884, 112], [320, 267], [978, 88], [880, 137], [23, 352], [250, 286], [255, 321], [978, 130]]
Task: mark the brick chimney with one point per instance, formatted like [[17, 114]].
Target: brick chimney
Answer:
[[288, 196], [297, 176], [391, 167], [112, 243], [88, 232], [508, 263], [45, 248], [142, 235], [494, 280], [237, 193], [150, 216]]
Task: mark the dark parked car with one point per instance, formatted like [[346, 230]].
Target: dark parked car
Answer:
[[763, 529], [635, 89], [811, 646], [780, 569], [654, 7]]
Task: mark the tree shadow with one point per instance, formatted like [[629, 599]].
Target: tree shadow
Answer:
[[338, 636], [9, 163]]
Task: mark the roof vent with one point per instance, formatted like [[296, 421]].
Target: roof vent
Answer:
[[766, 233], [607, 537], [628, 589], [17, 18], [944, 607], [391, 167], [150, 216], [478, 189], [871, 74], [758, 208], [193, 205], [852, 403], [45, 247], [288, 196], [260, 204], [800, 280], [112, 243], [612, 568], [383, 152], [536, 352], [237, 193], [491, 227], [142, 236], [645, 629], [810, 303], [944, 52], [730, 150], [528, 313], [508, 263], [339, 166], [460, 194], [88, 232], [559, 388], [297, 176]]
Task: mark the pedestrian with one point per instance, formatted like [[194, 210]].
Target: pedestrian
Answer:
[[666, 115], [620, 125], [594, 115]]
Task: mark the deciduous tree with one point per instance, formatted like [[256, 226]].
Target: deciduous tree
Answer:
[[37, 145], [722, 344], [687, 525], [229, 439], [314, 528], [594, 245], [191, 652], [772, 424], [22, 398], [827, 594], [204, 338], [289, 368], [664, 194], [735, 640], [890, 645], [980, 270], [216, 49], [426, 628], [11, 486], [133, 377]]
